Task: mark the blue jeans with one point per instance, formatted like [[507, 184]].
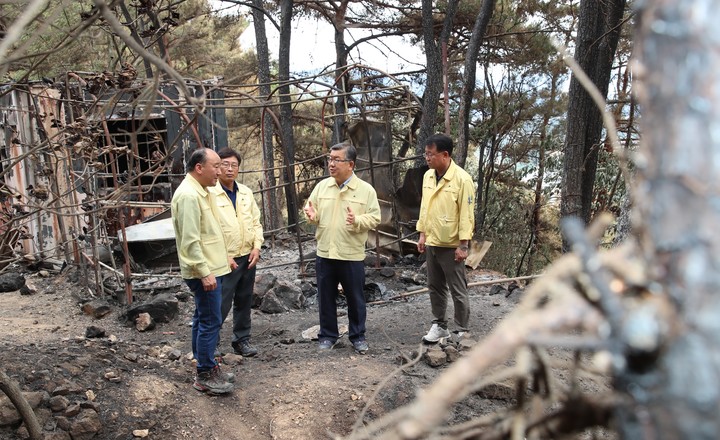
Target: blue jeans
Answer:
[[351, 275], [206, 323]]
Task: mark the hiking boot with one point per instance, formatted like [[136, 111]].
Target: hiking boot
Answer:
[[229, 377], [212, 382], [326, 344], [361, 346], [435, 334], [244, 348]]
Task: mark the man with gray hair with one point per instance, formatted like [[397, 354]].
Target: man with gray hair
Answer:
[[344, 208]]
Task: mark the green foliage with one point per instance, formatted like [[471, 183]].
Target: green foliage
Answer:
[[206, 44], [51, 44]]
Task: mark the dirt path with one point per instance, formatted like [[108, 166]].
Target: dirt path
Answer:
[[289, 391]]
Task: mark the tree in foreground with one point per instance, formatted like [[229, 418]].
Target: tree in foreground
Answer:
[[648, 307]]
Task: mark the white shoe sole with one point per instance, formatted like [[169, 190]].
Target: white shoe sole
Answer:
[[435, 341]]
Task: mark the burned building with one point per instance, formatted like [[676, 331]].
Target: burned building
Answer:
[[82, 159]]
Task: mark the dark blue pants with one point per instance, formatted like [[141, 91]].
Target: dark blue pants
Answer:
[[351, 275], [206, 323], [237, 292]]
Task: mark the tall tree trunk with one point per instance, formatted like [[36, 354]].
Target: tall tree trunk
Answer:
[[286, 122], [677, 393], [537, 206], [488, 141], [468, 86], [342, 83], [434, 69], [271, 210], [598, 35]]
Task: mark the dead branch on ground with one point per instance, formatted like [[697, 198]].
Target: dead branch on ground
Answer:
[[579, 293], [10, 388]]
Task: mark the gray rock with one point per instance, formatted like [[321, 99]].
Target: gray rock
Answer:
[[371, 260], [308, 290], [68, 387], [144, 322], [466, 344], [94, 331], [86, 425], [271, 304], [284, 296], [11, 281], [162, 308], [414, 277], [96, 308], [374, 291], [58, 403], [28, 289], [435, 357], [86, 404], [174, 355], [452, 353], [263, 283], [497, 289], [63, 423], [72, 410], [387, 272], [9, 415]]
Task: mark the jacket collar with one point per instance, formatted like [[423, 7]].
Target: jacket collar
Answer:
[[196, 185], [352, 182], [449, 173]]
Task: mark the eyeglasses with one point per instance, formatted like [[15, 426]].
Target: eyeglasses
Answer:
[[234, 166], [331, 159], [429, 155]]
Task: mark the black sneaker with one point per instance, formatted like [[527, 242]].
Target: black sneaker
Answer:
[[361, 346], [244, 348], [326, 344], [212, 382]]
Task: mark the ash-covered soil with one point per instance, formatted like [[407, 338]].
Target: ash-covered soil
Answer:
[[140, 383]]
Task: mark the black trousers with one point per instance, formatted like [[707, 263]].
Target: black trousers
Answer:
[[351, 275], [237, 291]]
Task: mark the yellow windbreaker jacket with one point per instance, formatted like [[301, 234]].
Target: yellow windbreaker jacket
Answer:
[[335, 239], [240, 225], [447, 213], [198, 235]]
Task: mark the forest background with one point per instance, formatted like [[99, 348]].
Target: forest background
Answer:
[[491, 76]]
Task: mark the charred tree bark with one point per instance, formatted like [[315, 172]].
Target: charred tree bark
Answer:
[[677, 394], [434, 69], [341, 60], [286, 122], [263, 57], [538, 204], [468, 86], [598, 35]]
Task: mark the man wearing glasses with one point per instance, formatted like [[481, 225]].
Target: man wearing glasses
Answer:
[[240, 222], [344, 208], [446, 225]]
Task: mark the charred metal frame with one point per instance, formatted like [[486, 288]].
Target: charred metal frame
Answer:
[[83, 160]]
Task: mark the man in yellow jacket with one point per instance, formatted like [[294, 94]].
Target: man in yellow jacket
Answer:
[[446, 226], [240, 222], [344, 208], [203, 263]]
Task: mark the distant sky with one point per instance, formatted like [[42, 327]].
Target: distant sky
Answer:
[[312, 47]]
